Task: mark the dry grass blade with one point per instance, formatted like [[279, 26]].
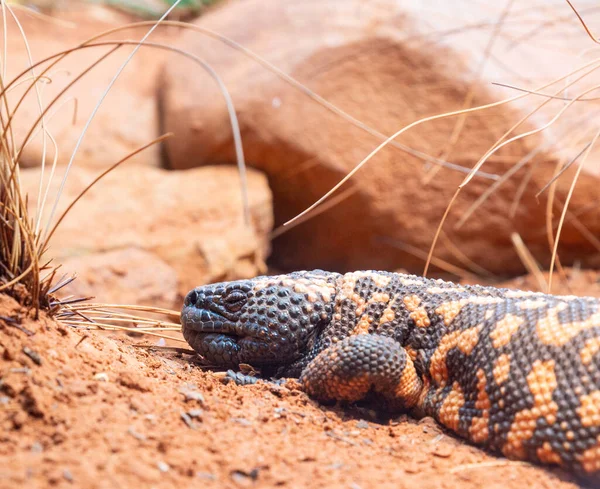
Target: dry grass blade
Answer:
[[583, 23], [173, 349], [566, 206], [564, 169], [496, 185], [529, 261], [502, 141], [547, 95], [480, 163], [527, 36], [464, 259], [309, 93], [116, 317], [468, 100], [125, 307], [96, 180], [438, 262], [338, 199], [548, 220], [522, 188]]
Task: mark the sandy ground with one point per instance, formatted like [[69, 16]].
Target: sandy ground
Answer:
[[91, 409]]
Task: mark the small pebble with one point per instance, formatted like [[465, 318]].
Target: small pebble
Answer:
[[35, 356], [23, 370], [195, 413], [187, 420], [191, 394], [242, 475], [36, 447], [67, 475], [242, 421], [206, 475], [163, 466], [442, 451], [101, 377], [135, 434]]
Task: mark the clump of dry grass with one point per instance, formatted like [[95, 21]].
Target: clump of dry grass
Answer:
[[25, 272], [22, 273]]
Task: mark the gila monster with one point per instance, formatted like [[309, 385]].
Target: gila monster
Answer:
[[513, 371]]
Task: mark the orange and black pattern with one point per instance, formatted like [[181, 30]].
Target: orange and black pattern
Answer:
[[516, 372]]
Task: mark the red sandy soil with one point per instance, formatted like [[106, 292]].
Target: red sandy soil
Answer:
[[89, 409]]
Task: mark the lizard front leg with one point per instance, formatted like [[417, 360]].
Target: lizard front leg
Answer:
[[349, 369]]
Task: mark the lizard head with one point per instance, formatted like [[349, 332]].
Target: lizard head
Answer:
[[260, 321]]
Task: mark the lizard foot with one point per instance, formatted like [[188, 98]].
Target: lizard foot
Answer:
[[349, 369]]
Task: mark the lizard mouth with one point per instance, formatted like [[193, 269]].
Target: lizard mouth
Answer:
[[207, 321], [217, 339]]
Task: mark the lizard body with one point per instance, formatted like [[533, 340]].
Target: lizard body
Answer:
[[513, 371]]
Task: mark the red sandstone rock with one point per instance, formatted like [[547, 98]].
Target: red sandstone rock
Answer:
[[359, 56], [128, 117], [190, 223]]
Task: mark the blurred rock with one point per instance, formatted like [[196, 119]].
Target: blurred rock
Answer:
[[530, 48], [128, 117], [370, 60], [127, 276], [150, 236], [584, 283]]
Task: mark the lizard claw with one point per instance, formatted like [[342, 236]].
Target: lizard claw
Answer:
[[239, 378]]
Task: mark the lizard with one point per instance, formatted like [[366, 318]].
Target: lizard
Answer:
[[516, 372]]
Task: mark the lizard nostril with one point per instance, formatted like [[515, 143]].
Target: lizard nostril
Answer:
[[191, 298]]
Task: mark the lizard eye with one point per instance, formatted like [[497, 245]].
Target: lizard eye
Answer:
[[235, 300]]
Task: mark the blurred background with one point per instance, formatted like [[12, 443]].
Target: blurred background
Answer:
[[315, 87]]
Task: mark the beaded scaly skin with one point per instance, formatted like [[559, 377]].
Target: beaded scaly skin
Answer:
[[515, 372]]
